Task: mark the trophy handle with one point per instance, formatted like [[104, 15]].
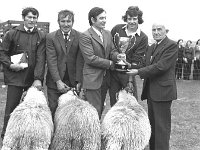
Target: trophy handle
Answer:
[[131, 44], [116, 40]]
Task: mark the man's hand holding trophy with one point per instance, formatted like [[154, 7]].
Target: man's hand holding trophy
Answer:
[[123, 44]]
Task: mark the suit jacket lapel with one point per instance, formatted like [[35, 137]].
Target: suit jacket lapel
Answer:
[[154, 51], [104, 39], [61, 40], [159, 48], [149, 53], [70, 40], [95, 36]]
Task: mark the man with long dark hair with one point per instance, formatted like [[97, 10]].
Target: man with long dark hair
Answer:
[[138, 41]]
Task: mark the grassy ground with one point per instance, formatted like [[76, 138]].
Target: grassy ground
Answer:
[[185, 114]]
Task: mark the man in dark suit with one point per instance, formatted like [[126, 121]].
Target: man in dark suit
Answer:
[[159, 87], [63, 59], [96, 46]]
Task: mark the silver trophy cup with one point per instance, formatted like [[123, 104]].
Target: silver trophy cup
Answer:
[[121, 43]]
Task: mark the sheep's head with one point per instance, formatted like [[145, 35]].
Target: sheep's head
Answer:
[[34, 95], [66, 97], [124, 95]]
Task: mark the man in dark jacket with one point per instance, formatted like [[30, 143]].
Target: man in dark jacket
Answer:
[[138, 41], [64, 59], [159, 87], [28, 41]]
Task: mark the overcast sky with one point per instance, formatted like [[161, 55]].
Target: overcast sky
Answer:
[[180, 16]]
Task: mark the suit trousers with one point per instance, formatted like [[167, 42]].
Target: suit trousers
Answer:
[[14, 94], [159, 113], [119, 81], [96, 97], [53, 95]]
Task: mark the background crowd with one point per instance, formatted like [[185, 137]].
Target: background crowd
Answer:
[[188, 61]]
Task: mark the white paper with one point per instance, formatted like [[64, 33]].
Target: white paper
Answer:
[[16, 60]]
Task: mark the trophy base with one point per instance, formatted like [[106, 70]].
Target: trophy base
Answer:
[[121, 67], [121, 70]]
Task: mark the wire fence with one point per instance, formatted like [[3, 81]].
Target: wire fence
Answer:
[[188, 71]]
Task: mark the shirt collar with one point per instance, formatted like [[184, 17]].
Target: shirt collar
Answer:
[[160, 41], [138, 31], [65, 33], [97, 31], [26, 29]]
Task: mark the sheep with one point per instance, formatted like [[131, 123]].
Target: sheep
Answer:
[[126, 125], [77, 125], [30, 126]]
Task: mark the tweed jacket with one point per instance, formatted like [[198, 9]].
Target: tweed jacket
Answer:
[[159, 73], [96, 57], [59, 56]]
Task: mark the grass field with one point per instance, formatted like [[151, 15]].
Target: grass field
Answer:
[[185, 114]]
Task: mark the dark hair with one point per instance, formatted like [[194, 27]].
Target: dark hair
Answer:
[[197, 41], [179, 41], [133, 11], [25, 11], [189, 41], [65, 13], [93, 13]]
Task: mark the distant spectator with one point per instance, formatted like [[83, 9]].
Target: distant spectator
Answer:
[[179, 61], [188, 57], [1, 67], [196, 71]]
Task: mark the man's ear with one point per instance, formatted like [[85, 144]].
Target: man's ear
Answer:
[[167, 30], [93, 20]]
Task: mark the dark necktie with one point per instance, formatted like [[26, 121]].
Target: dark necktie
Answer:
[[66, 37], [28, 31], [101, 37], [66, 76], [154, 49]]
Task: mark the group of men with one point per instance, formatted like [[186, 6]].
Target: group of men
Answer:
[[87, 61]]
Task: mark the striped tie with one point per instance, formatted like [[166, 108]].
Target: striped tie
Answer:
[[66, 37]]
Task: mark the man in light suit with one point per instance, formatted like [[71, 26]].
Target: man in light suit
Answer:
[[159, 87], [63, 59], [96, 46]]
